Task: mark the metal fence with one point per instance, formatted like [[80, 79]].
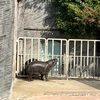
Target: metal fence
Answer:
[[83, 59], [76, 57]]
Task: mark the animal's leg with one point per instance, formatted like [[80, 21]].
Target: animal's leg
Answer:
[[46, 77], [30, 77], [42, 77]]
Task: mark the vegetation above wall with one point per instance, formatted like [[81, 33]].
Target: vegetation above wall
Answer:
[[78, 17]]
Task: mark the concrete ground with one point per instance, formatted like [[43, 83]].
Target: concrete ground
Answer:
[[56, 89]]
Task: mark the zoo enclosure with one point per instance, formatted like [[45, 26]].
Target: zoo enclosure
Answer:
[[76, 57]]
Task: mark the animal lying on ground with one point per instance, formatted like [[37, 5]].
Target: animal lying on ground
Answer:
[[40, 67]]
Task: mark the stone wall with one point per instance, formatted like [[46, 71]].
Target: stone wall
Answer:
[[37, 17], [6, 47]]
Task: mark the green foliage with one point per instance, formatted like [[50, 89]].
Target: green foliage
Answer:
[[77, 17]]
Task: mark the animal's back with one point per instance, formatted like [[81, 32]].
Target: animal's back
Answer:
[[37, 67]]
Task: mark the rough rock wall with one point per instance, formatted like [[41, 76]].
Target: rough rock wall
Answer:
[[6, 45], [38, 14], [37, 17]]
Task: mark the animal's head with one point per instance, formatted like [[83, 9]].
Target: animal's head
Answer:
[[52, 62]]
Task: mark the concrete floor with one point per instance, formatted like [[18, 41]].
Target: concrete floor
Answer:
[[23, 89]]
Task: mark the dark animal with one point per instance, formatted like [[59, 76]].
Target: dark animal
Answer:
[[40, 67], [29, 61], [26, 64]]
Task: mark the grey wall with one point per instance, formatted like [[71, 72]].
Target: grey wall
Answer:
[[36, 19], [6, 48]]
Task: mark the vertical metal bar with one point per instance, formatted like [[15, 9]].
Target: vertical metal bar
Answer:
[[97, 67], [87, 56], [74, 70], [67, 58], [31, 49], [24, 50], [52, 53], [21, 63], [81, 56], [89, 67], [87, 53], [38, 49], [46, 49], [94, 57], [21, 55], [84, 66], [60, 57], [90, 62], [52, 48], [76, 64]]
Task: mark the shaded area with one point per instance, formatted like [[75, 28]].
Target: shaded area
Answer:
[[95, 83]]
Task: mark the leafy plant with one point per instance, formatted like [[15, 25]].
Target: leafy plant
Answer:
[[77, 17]]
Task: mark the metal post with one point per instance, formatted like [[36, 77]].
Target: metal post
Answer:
[[94, 57], [67, 58], [24, 51], [60, 57], [74, 71], [38, 49], [46, 49], [31, 49], [52, 48], [81, 57], [87, 53], [87, 56]]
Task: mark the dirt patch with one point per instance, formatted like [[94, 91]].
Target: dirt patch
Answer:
[[26, 89]]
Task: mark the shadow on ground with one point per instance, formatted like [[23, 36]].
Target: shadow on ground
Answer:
[[95, 83]]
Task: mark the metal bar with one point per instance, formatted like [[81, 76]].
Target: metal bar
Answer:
[[84, 40], [21, 57], [24, 50], [81, 57], [38, 48], [87, 56], [56, 39], [46, 49], [30, 38], [94, 57], [52, 48], [83, 66], [31, 49], [87, 53], [97, 67], [67, 58], [74, 58], [52, 54], [21, 64], [60, 56], [76, 64]]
